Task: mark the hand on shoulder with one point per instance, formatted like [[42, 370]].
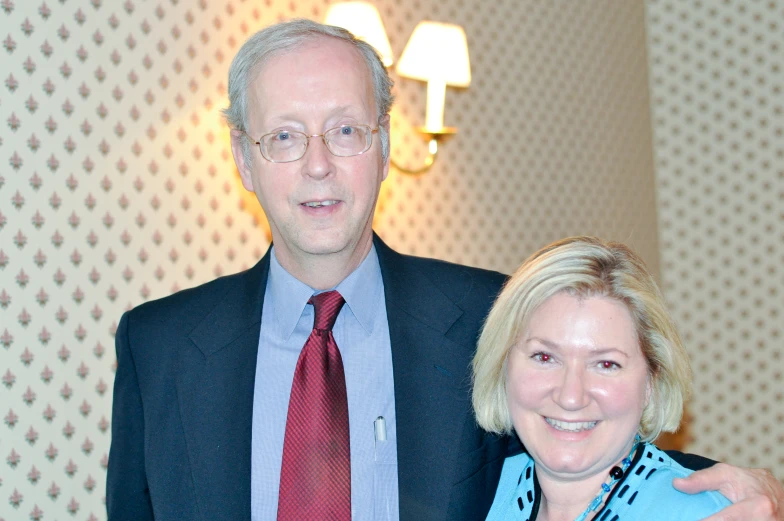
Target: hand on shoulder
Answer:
[[755, 493]]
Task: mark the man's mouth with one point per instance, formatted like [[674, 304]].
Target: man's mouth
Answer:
[[570, 426], [319, 204]]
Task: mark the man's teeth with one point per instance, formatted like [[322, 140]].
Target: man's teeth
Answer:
[[570, 426], [318, 204]]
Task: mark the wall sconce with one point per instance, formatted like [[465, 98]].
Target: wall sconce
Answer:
[[436, 53]]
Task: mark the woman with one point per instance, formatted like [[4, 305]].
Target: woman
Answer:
[[581, 358]]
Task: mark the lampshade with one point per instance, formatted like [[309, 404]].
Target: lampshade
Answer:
[[438, 54], [437, 51], [364, 22]]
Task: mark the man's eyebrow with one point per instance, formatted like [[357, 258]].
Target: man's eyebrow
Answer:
[[295, 118], [282, 119], [341, 109]]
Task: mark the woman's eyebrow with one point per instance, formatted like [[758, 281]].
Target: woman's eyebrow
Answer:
[[555, 346], [606, 350], [547, 343]]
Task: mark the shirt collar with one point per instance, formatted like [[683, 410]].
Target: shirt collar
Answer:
[[363, 291]]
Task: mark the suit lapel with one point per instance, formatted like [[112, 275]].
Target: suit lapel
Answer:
[[430, 386], [215, 391]]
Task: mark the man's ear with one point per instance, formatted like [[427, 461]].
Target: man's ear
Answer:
[[239, 159], [384, 123]]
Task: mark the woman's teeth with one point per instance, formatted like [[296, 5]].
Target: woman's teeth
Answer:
[[570, 426]]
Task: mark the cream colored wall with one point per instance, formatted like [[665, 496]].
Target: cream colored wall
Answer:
[[117, 185], [718, 120]]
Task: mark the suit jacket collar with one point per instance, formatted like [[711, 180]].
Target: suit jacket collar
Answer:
[[237, 310], [408, 289]]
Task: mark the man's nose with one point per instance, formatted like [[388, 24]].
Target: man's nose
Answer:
[[318, 159]]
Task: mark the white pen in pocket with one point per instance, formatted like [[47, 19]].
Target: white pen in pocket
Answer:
[[380, 429], [384, 472]]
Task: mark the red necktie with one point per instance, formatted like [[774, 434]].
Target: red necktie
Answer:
[[315, 477]]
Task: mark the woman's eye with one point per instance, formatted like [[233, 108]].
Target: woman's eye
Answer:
[[608, 365], [542, 357]]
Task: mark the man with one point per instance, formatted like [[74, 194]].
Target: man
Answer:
[[218, 412]]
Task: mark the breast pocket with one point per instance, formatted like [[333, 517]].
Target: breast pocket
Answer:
[[384, 481]]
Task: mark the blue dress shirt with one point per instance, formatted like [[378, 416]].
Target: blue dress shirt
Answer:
[[362, 334]]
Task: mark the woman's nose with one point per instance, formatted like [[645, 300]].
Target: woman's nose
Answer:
[[572, 392]]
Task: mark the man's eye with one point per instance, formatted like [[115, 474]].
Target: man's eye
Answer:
[[282, 136], [347, 131]]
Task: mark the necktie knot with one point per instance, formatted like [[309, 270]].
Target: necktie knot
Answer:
[[327, 306]]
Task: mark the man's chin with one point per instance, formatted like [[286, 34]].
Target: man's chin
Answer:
[[325, 242], [321, 245]]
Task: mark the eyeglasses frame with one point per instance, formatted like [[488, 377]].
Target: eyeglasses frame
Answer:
[[307, 143]]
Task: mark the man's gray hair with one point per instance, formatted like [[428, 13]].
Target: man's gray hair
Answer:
[[287, 36]]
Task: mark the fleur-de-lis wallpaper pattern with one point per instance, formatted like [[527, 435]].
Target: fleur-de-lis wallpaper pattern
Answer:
[[117, 186], [717, 91]]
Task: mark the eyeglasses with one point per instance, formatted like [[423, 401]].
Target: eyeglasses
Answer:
[[286, 146]]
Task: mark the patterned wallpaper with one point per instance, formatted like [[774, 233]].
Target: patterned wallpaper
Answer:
[[718, 119], [117, 184]]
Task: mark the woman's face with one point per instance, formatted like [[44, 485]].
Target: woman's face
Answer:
[[577, 383]]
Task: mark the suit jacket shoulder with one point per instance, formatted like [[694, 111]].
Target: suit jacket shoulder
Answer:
[[237, 295], [463, 284], [440, 293]]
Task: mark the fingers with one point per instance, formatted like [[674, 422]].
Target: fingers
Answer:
[[718, 477], [756, 494], [760, 508]]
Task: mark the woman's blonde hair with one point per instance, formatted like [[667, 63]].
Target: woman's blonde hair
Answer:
[[584, 267]]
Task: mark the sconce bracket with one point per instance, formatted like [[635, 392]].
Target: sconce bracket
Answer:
[[441, 134], [433, 137]]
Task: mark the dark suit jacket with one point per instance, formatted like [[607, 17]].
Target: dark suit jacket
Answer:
[[183, 396]]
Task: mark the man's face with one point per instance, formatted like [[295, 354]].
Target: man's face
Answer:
[[320, 204]]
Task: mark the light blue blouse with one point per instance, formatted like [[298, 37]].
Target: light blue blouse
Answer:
[[644, 493]]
